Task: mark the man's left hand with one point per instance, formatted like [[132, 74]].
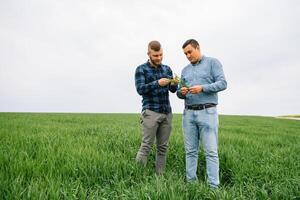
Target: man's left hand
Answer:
[[196, 89]]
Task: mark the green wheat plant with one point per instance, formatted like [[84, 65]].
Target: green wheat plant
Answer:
[[92, 156]]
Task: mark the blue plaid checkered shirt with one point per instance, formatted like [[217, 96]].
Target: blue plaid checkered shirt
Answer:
[[155, 97]]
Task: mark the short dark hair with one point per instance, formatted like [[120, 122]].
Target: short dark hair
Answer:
[[154, 45], [192, 42]]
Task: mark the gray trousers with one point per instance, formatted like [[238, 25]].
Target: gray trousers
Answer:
[[155, 125]]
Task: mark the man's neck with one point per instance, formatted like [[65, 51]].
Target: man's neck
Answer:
[[198, 60], [153, 65]]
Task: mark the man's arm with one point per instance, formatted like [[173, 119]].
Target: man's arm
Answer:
[[182, 90], [219, 77], [141, 87]]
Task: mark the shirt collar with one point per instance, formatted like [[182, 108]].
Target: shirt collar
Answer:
[[197, 63], [149, 64]]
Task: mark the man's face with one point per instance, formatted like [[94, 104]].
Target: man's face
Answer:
[[155, 56], [192, 54]]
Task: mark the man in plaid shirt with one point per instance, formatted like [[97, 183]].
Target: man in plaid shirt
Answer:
[[152, 81]]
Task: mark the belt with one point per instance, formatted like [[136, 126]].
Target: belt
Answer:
[[199, 106]]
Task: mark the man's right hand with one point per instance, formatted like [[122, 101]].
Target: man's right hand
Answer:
[[163, 82], [184, 90]]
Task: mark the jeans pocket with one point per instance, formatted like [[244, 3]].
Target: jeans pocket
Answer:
[[141, 120], [143, 116], [184, 112], [212, 110], [145, 113]]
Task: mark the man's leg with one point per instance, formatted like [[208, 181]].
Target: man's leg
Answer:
[[149, 128], [191, 141], [210, 144], [162, 139]]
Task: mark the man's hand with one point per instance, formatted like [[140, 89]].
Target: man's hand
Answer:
[[196, 89], [163, 82], [184, 90], [173, 83]]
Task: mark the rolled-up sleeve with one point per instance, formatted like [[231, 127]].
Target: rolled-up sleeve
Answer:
[[178, 92]]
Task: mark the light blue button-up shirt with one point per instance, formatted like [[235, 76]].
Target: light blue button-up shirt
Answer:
[[208, 72]]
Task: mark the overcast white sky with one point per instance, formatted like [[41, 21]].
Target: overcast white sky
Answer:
[[80, 56]]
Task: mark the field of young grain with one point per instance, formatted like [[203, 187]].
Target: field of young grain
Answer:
[[91, 156]]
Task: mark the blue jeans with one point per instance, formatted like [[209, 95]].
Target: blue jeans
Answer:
[[201, 125]]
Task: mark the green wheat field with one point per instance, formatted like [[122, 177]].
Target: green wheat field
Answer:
[[92, 156]]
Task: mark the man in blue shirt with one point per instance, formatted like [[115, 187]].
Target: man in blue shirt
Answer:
[[152, 81], [201, 80]]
